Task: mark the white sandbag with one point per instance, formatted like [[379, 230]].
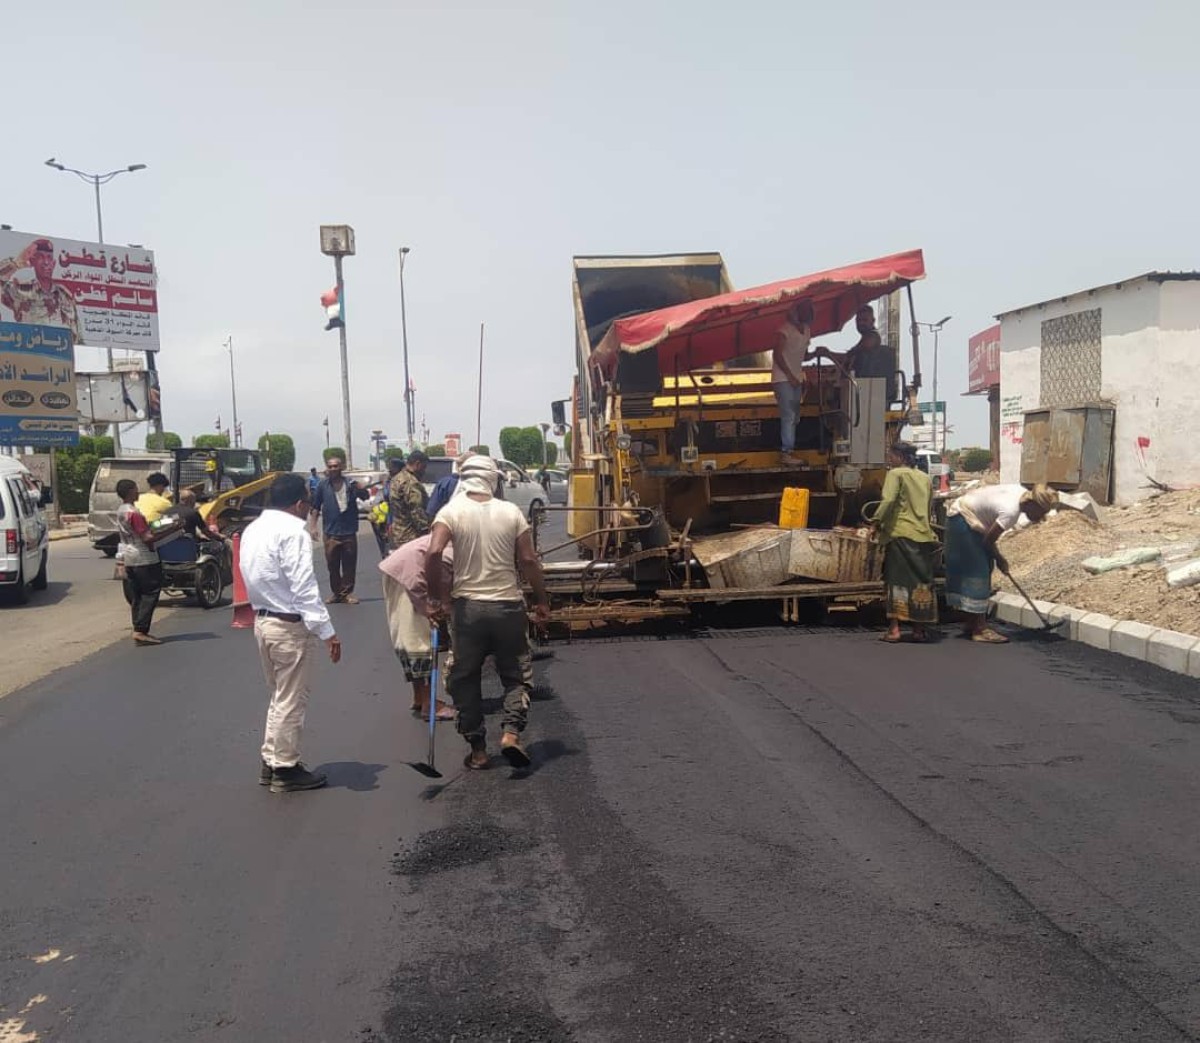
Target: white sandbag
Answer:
[[1184, 575], [1121, 560]]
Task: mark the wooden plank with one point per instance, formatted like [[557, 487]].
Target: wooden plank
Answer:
[[786, 590]]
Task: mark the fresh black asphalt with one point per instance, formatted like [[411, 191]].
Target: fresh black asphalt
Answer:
[[745, 834]]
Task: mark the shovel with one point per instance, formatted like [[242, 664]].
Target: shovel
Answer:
[[427, 768], [1046, 624]]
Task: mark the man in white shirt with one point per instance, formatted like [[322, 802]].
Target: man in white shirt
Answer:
[[487, 609], [276, 564], [787, 374]]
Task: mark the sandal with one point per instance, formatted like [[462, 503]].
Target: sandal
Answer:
[[988, 636], [887, 639]]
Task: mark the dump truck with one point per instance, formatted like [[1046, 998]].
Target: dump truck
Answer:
[[676, 475]]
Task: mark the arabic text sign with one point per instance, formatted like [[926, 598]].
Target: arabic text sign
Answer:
[[37, 386], [105, 295]]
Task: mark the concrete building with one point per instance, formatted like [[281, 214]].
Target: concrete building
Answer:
[[1130, 348]]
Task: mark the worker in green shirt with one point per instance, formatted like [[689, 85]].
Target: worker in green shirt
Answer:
[[902, 524]]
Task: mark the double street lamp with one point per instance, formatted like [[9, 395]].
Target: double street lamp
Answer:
[[936, 328], [96, 180]]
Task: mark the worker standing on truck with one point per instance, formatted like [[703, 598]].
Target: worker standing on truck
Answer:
[[487, 609], [787, 374], [870, 357]]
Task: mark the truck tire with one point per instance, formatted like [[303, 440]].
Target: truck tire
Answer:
[[42, 579]]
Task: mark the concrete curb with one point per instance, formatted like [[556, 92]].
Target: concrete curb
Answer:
[[67, 534], [1167, 649]]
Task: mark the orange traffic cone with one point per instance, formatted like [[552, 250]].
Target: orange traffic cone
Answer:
[[243, 614]]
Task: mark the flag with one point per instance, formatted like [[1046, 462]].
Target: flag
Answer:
[[331, 301]]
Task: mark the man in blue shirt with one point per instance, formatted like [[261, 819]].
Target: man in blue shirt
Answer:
[[336, 502]]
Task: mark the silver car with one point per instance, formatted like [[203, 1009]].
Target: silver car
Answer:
[[520, 489]]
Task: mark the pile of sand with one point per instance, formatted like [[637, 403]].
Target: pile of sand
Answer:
[[1047, 560]]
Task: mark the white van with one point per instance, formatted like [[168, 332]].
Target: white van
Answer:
[[24, 533], [103, 501], [932, 464]]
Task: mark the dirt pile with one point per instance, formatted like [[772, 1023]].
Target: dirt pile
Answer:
[[1047, 560]]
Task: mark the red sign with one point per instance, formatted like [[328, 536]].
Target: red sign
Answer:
[[453, 444], [983, 365]]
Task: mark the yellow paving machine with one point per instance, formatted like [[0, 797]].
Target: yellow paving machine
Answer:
[[677, 479]]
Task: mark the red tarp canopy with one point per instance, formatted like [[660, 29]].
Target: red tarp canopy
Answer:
[[717, 329]]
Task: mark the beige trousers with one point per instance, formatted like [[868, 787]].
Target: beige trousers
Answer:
[[286, 652]]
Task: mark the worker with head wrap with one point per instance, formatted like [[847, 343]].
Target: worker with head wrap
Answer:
[[974, 522], [487, 611]]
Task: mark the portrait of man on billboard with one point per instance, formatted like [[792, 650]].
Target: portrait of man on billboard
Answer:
[[28, 290]]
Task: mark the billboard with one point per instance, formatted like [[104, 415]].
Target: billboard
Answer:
[[983, 360], [105, 295], [124, 397], [37, 386]]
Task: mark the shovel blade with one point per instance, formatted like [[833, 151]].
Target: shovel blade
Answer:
[[428, 770]]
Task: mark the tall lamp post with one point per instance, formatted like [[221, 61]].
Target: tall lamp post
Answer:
[[337, 241], [237, 428], [936, 328], [409, 406], [96, 180]]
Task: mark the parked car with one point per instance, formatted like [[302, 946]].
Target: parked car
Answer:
[[24, 533], [557, 482], [103, 501], [520, 489], [439, 467], [375, 481], [933, 465]]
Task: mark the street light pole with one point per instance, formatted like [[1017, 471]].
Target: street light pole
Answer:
[[337, 267], [237, 439], [96, 180], [409, 409], [939, 442], [337, 241]]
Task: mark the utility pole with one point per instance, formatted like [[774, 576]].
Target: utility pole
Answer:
[[479, 397], [96, 180], [337, 241], [409, 405], [237, 428]]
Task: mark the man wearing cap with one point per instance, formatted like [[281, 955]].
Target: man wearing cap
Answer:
[[38, 300], [408, 502]]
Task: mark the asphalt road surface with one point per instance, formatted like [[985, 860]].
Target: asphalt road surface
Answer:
[[754, 835]]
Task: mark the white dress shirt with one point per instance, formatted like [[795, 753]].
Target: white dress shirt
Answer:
[[277, 567]]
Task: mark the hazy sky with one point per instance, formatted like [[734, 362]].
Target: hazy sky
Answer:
[[1031, 149]]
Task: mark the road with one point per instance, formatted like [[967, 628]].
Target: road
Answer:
[[755, 835], [81, 610]]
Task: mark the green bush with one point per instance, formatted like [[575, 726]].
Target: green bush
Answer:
[[168, 440], [220, 441], [974, 460], [281, 450], [332, 451]]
